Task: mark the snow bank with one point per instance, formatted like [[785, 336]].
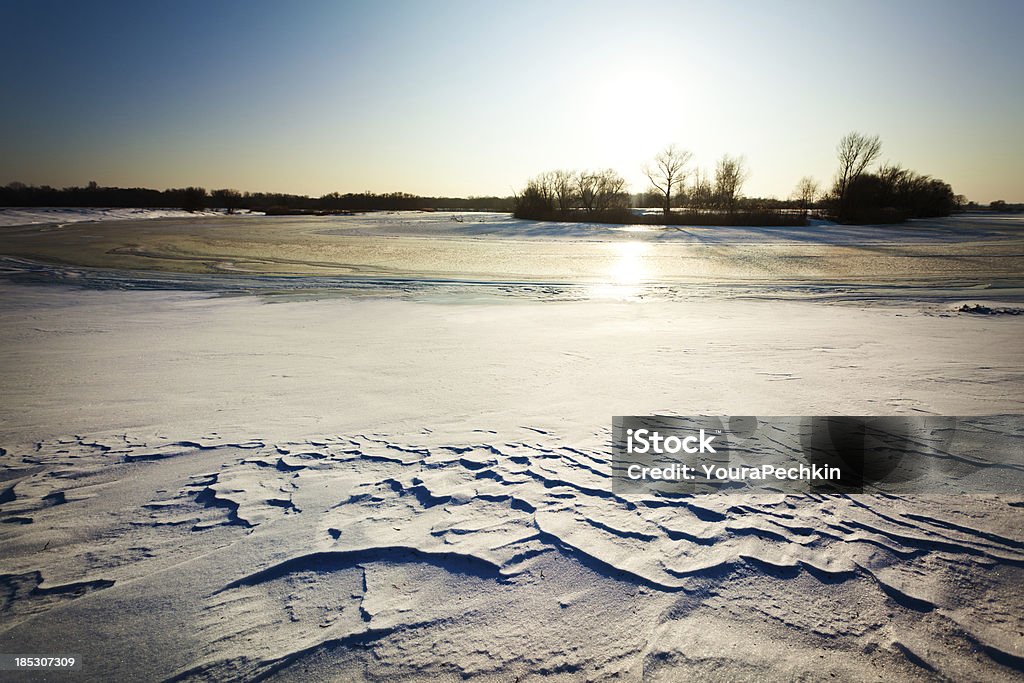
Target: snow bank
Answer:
[[35, 215]]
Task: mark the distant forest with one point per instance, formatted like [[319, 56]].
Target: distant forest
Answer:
[[198, 199]]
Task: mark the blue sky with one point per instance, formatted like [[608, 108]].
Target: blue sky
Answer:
[[472, 98]]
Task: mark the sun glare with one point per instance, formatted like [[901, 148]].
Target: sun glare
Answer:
[[626, 274], [631, 111], [629, 267]]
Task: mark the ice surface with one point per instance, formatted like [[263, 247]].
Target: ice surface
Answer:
[[12, 216]]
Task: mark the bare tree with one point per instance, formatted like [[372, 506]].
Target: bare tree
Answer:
[[856, 151], [586, 189], [806, 192], [564, 185], [668, 173], [544, 185], [610, 191], [600, 190], [701, 193], [537, 201], [730, 174], [894, 175]]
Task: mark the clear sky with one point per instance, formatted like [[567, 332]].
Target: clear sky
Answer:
[[472, 98]]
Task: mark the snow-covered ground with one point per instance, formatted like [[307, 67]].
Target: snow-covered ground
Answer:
[[386, 483], [41, 215]]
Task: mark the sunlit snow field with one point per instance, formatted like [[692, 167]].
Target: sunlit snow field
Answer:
[[376, 447]]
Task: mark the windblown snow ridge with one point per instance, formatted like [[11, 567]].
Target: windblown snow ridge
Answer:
[[346, 541]]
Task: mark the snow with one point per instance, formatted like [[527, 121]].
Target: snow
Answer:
[[10, 216], [278, 368], [400, 481], [468, 225]]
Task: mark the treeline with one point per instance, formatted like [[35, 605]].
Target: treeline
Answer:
[[601, 196], [890, 194], [998, 205], [561, 195], [861, 192], [894, 194], [198, 198], [694, 196]]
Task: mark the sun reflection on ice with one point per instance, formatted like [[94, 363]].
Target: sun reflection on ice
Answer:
[[627, 274]]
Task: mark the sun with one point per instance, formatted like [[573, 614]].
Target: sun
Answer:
[[632, 113]]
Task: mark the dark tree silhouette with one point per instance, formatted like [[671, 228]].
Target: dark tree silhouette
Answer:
[[702, 193], [895, 194], [806, 192], [668, 174], [729, 177], [19, 194], [856, 151], [563, 184]]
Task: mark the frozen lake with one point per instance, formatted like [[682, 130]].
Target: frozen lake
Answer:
[[474, 254]]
